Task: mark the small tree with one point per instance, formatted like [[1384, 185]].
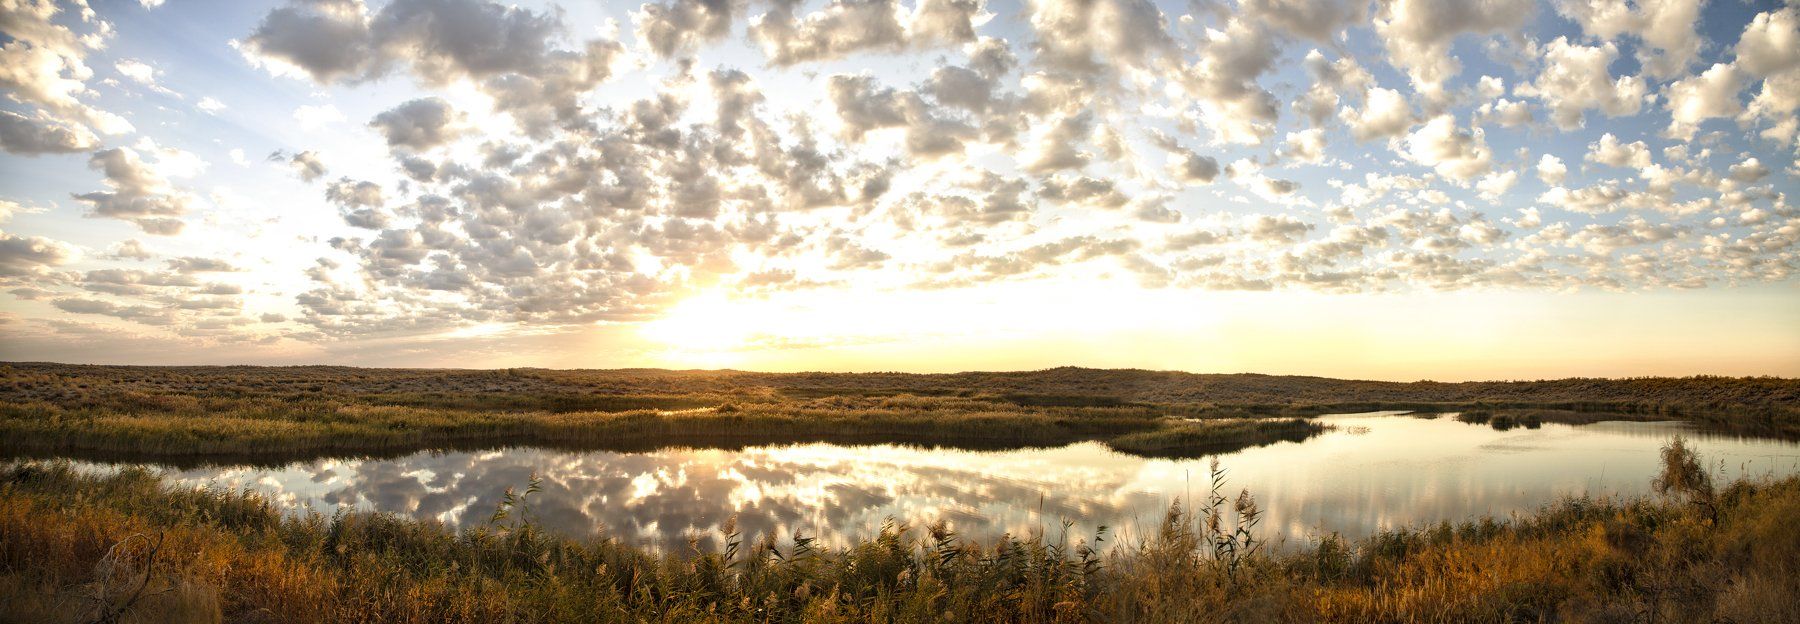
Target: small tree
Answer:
[[1682, 476]]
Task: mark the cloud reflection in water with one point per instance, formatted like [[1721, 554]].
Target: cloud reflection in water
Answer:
[[1376, 472]]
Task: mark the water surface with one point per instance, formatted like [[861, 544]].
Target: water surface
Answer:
[[1374, 471]]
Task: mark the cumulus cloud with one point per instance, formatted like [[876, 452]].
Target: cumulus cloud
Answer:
[[681, 26], [43, 65], [23, 255], [306, 164], [1453, 152], [509, 52], [912, 143], [845, 27], [1710, 94], [1575, 78], [1386, 114], [136, 193], [1418, 34], [1551, 170], [1090, 37], [1665, 28], [1318, 20], [1612, 152], [43, 135], [420, 124]]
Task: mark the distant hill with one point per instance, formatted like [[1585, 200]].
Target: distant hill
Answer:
[[1052, 386]]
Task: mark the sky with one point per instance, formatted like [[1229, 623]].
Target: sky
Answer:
[[1403, 189]]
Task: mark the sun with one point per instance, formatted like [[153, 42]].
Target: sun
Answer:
[[707, 323]]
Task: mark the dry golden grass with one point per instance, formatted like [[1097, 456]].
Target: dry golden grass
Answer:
[[275, 414], [233, 556]]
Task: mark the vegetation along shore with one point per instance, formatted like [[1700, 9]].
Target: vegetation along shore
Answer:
[[276, 414], [124, 547]]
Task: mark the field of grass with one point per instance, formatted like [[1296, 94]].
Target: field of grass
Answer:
[[184, 429], [125, 548], [278, 414]]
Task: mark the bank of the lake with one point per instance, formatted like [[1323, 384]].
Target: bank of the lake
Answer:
[[126, 546], [274, 415]]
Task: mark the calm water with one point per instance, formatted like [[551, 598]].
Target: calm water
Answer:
[[1376, 471]]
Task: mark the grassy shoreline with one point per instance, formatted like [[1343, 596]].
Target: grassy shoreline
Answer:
[[193, 415], [253, 429], [74, 544]]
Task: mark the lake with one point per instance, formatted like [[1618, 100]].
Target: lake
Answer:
[[1374, 471]]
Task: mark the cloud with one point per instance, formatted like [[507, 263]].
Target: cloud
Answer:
[[1711, 94], [1332, 80], [1386, 114], [192, 264], [1551, 170], [1418, 34], [913, 144], [1232, 104], [1276, 229], [43, 135], [420, 124], [1770, 44], [307, 164], [1191, 168], [682, 26], [1666, 28], [1089, 38], [23, 255], [844, 27], [1610, 151], [1767, 49], [43, 66], [1058, 147], [510, 53], [130, 249], [1575, 78], [1318, 20], [1453, 152], [327, 40], [1749, 172], [137, 71], [1306, 146], [137, 193]]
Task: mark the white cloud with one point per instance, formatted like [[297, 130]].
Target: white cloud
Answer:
[[1711, 94], [1665, 28], [1418, 34], [43, 135], [540, 172], [1386, 114], [1551, 170], [1453, 152], [1575, 78], [1610, 151]]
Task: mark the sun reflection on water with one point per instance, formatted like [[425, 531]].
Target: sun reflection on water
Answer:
[[1378, 471]]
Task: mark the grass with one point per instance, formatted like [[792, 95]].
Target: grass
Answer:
[[185, 415], [74, 546], [180, 428], [1206, 437]]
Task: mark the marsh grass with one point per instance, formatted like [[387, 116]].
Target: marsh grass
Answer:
[[269, 415], [236, 556], [1200, 438], [185, 429]]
